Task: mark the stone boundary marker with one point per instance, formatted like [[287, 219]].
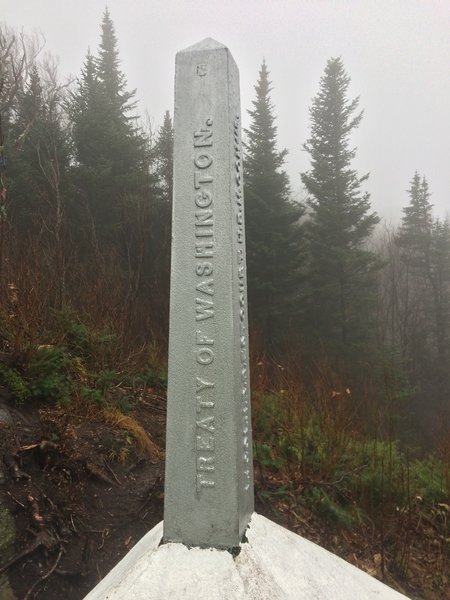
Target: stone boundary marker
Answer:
[[209, 466], [209, 486]]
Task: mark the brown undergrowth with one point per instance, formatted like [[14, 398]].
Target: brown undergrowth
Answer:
[[333, 476], [91, 384]]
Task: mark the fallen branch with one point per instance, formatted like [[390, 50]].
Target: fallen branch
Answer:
[[97, 472], [112, 472], [43, 445]]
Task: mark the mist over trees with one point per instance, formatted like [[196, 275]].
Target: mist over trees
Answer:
[[274, 238], [341, 283], [85, 226]]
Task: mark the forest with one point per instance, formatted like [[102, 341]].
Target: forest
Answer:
[[349, 318]]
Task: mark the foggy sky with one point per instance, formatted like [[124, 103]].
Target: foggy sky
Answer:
[[397, 53]]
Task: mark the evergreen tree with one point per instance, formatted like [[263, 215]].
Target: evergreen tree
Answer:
[[341, 269], [440, 271], [272, 223], [425, 245], [125, 141], [163, 159], [160, 231], [40, 154], [417, 223], [39, 190], [25, 174], [88, 119], [109, 148]]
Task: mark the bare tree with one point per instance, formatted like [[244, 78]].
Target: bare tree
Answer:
[[17, 53]]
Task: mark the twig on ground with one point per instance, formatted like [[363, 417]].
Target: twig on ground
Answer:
[[112, 472], [97, 472]]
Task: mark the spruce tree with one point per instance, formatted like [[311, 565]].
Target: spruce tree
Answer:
[[109, 148], [87, 117], [417, 223], [40, 154], [425, 245], [24, 172], [341, 269], [440, 252], [163, 159], [272, 224], [39, 191], [124, 139], [161, 222]]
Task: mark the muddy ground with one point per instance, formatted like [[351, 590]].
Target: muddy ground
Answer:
[[81, 493]]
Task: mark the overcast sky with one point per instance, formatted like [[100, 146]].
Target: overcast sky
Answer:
[[397, 53]]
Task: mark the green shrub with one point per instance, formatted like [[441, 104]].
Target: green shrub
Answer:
[[92, 395], [268, 458], [328, 507], [428, 481], [13, 380], [93, 346], [49, 376]]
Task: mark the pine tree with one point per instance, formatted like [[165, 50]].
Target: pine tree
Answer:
[[425, 245], [341, 269], [160, 231], [25, 174], [440, 273], [417, 223], [40, 154], [39, 191], [272, 223], [123, 136], [163, 158], [87, 117], [109, 148]]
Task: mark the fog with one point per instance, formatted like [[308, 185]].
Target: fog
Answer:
[[397, 54]]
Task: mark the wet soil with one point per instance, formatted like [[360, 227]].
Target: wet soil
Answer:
[[81, 495]]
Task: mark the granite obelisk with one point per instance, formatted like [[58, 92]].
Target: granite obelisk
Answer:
[[209, 484], [209, 475]]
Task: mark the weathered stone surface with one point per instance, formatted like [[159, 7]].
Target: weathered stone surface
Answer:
[[209, 477], [275, 564]]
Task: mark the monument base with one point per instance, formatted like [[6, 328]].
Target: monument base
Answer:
[[273, 564]]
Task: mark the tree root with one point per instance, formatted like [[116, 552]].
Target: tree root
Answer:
[[12, 463], [43, 539]]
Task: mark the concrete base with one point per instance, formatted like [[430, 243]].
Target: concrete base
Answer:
[[275, 564]]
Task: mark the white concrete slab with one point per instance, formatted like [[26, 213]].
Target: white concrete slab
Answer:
[[275, 564]]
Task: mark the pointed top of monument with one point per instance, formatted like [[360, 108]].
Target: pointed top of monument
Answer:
[[206, 44]]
